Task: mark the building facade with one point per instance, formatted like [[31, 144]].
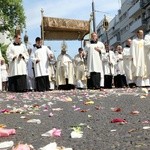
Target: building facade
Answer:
[[132, 16]]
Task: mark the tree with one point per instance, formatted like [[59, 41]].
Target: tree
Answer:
[[11, 15], [3, 49]]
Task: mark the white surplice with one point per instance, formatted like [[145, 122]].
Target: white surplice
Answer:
[[109, 60], [119, 69], [42, 67], [17, 66], [94, 58]]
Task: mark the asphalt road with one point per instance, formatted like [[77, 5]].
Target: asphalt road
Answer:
[[90, 111]]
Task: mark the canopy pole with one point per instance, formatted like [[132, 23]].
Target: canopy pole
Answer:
[[42, 26]]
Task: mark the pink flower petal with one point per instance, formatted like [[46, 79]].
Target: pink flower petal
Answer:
[[6, 132], [135, 112], [55, 132], [146, 121], [117, 120], [22, 147], [51, 114]]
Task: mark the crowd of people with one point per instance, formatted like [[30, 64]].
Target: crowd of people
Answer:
[[96, 66]]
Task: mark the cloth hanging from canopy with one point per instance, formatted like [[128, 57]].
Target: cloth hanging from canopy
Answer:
[[64, 29]]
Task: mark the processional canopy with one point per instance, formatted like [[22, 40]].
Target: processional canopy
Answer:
[[64, 29]]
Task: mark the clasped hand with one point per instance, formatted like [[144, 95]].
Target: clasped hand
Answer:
[[97, 49]]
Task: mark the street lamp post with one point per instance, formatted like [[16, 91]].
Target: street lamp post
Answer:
[[93, 15]]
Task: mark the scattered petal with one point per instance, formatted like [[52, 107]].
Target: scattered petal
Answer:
[[76, 109], [135, 112], [68, 99], [51, 146], [89, 102], [89, 116], [142, 96], [146, 121], [7, 144], [57, 109], [75, 134], [146, 127], [118, 120], [116, 109], [131, 130], [53, 133], [5, 111], [21, 147], [82, 124], [83, 110], [38, 121], [113, 130], [51, 114], [23, 117], [97, 107], [89, 127], [7, 132]]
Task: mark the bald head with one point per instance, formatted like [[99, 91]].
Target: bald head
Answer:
[[140, 34]]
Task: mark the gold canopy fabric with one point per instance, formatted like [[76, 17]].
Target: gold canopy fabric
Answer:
[[64, 29]]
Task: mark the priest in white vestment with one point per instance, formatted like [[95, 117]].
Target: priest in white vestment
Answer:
[[80, 69], [128, 64], [65, 71], [17, 56], [94, 50], [147, 53], [41, 55], [109, 61], [139, 60]]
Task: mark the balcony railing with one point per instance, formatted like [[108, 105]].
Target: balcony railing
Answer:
[[135, 8], [144, 3], [145, 20], [136, 25], [114, 40]]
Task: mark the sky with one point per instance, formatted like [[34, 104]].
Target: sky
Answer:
[[69, 9]]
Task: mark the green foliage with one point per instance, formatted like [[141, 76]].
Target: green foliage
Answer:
[[3, 49], [11, 15]]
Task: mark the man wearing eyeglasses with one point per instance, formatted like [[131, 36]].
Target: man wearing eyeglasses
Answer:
[[17, 56]]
